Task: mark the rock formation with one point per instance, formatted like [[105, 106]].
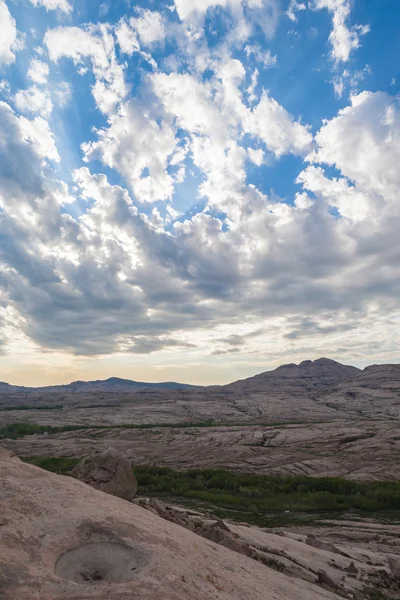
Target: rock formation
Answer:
[[108, 472], [61, 539]]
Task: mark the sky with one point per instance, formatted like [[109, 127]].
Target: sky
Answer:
[[197, 190]]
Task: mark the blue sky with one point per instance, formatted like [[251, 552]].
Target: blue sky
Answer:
[[188, 185]]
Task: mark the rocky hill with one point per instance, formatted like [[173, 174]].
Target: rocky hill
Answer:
[[306, 376], [60, 538]]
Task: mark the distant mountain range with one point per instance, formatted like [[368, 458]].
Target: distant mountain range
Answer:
[[113, 384], [307, 376]]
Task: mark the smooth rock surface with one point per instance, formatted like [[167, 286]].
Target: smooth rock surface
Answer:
[[50, 516]]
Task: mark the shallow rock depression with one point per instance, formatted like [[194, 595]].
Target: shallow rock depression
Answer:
[[96, 563]]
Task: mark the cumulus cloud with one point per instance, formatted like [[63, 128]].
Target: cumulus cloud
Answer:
[[139, 148], [343, 38], [242, 271], [127, 38], [62, 5], [363, 142], [8, 38], [96, 44], [34, 100], [38, 71], [277, 128], [38, 133], [149, 26], [246, 13]]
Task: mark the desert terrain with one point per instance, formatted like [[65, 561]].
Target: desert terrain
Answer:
[[318, 418], [314, 420]]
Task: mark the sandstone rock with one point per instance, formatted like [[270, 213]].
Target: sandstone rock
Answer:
[[237, 546], [352, 569], [108, 472], [325, 580], [82, 544], [315, 543], [394, 564]]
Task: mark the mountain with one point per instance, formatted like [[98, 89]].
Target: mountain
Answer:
[[113, 384], [291, 378], [306, 376]]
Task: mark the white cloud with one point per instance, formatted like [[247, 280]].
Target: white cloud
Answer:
[[62, 5], [246, 13], [256, 156], [39, 134], [277, 128], [38, 71], [133, 144], [262, 56], [62, 93], [295, 6], [350, 201], [127, 38], [96, 44], [34, 100], [190, 102], [344, 39], [363, 142], [8, 35], [149, 26], [188, 9]]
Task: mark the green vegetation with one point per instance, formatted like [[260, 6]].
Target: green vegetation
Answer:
[[32, 407], [18, 430], [258, 499], [265, 494], [62, 465]]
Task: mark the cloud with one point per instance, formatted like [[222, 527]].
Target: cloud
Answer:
[[62, 5], [262, 56], [294, 7], [149, 26], [38, 71], [344, 39], [363, 142], [140, 148], [220, 267], [112, 281], [277, 128], [34, 100], [38, 133], [96, 44], [245, 13], [8, 38], [127, 38]]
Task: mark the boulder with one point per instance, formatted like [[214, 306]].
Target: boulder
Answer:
[[108, 472], [325, 580], [394, 564], [352, 569]]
